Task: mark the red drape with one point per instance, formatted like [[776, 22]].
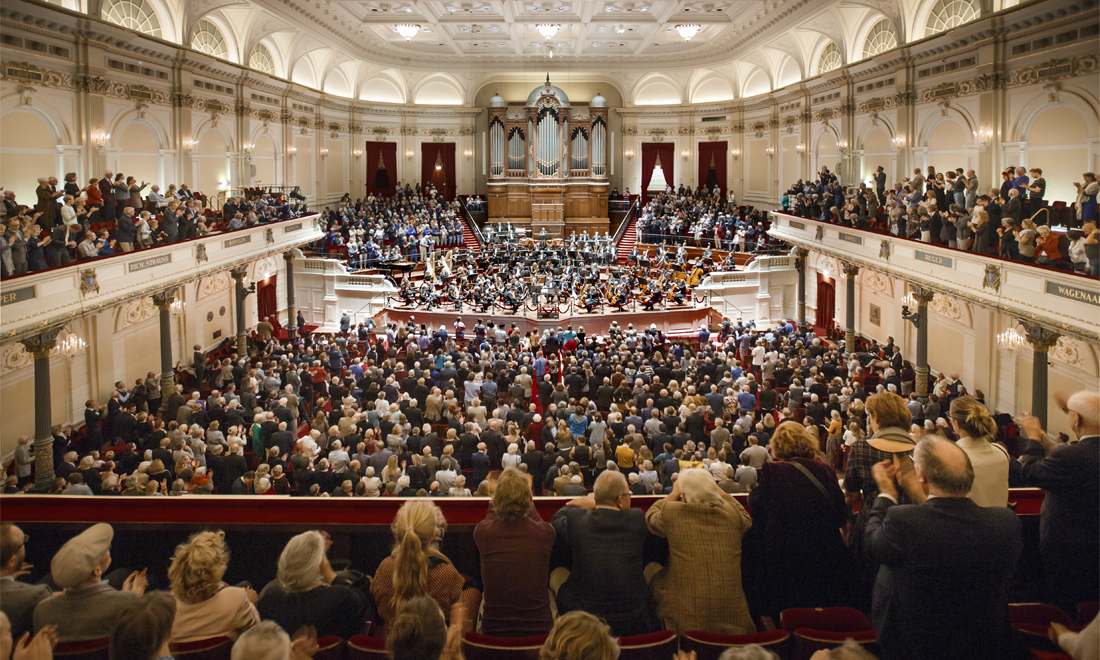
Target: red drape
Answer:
[[444, 179], [826, 301], [388, 151], [649, 160], [706, 150], [266, 304]]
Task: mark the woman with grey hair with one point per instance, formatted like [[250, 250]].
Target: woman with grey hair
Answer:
[[308, 592]]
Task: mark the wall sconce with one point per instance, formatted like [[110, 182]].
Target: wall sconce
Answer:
[[770, 151], [70, 347], [324, 152], [629, 153], [842, 147], [357, 153], [735, 153], [101, 140], [249, 148], [468, 153], [982, 138], [176, 308], [896, 144], [292, 150], [409, 153], [189, 146], [800, 148], [686, 154]]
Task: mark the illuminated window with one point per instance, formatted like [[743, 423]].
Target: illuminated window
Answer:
[[880, 39], [261, 59], [950, 13], [208, 39], [132, 14], [830, 59]]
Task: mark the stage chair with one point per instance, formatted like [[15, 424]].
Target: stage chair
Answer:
[[476, 646], [654, 646], [96, 649], [214, 648], [708, 646]]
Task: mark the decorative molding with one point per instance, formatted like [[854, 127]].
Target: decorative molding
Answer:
[[992, 278], [13, 357], [134, 312], [1072, 353], [214, 284], [89, 282], [947, 306]]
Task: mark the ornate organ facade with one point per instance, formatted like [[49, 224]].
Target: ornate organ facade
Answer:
[[548, 163]]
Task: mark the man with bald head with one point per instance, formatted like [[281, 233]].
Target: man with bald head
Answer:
[[1069, 525], [941, 590]]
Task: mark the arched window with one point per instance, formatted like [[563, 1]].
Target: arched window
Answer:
[[829, 60], [880, 39], [947, 14], [132, 14], [208, 39], [261, 59]]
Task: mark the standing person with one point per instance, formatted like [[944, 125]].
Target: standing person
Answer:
[[121, 192], [1069, 525], [107, 194], [942, 589], [880, 182], [976, 429], [704, 527], [1086, 198], [515, 545], [607, 577]]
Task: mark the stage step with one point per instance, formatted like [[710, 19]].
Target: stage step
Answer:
[[629, 238], [469, 240]]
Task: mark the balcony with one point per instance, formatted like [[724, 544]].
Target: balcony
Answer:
[[54, 296], [1060, 300]]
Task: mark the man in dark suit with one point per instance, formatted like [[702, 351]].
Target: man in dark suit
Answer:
[[941, 590], [1069, 525], [243, 484], [479, 461]]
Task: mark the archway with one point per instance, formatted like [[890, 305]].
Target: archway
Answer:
[[437, 167], [826, 304]]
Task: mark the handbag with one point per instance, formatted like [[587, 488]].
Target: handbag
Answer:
[[809, 475]]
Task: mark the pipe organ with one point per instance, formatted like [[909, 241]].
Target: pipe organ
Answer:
[[548, 163]]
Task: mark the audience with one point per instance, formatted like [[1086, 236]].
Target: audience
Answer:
[[205, 606], [143, 629]]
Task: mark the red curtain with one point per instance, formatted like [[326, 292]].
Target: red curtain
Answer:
[[826, 301], [444, 178], [387, 151], [718, 151], [649, 160], [266, 304]]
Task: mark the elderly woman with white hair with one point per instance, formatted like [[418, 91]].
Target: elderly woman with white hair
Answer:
[[512, 458], [704, 527], [307, 592]]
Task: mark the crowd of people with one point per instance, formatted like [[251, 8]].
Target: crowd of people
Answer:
[[420, 413], [949, 209], [109, 216], [703, 219], [405, 227]]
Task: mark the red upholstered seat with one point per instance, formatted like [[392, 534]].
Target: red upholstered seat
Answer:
[[330, 648], [654, 646], [708, 646], [807, 641], [815, 628], [214, 648], [1043, 655], [362, 647], [1086, 612], [95, 649], [476, 646], [1030, 622]]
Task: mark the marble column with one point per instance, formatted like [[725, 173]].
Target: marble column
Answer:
[[238, 273], [40, 346], [163, 301], [923, 297], [799, 255], [291, 316], [850, 273], [1041, 340]]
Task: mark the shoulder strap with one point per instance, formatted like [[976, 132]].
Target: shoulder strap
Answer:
[[811, 477]]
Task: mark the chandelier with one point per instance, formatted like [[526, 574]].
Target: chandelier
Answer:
[[548, 30], [687, 31], [70, 347], [1011, 340], [407, 30]]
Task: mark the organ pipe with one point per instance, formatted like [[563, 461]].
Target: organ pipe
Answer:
[[496, 140], [599, 152]]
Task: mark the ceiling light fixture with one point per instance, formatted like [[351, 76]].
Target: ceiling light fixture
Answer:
[[688, 30], [407, 30], [548, 30], [620, 28]]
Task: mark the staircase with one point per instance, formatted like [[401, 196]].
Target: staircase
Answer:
[[628, 239], [469, 240]]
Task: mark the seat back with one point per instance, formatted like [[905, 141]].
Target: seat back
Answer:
[[1030, 622], [807, 641], [654, 646], [709, 646], [1086, 612], [476, 646], [214, 648], [330, 648], [361, 647], [96, 649], [831, 619]]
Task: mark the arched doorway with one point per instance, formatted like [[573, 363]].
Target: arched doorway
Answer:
[[826, 303]]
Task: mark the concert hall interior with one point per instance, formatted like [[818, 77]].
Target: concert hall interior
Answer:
[[628, 330]]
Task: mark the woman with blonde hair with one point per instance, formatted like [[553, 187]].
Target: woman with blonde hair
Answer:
[[515, 545], [205, 606], [579, 636], [392, 472], [416, 567], [796, 554], [976, 429], [704, 527]]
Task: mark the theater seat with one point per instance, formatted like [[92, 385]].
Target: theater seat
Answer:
[[1030, 622], [95, 649], [330, 648], [816, 628], [476, 646], [361, 647], [1086, 612], [807, 641], [708, 646], [654, 646], [214, 648]]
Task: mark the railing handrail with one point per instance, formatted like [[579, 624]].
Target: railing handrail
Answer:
[[625, 222], [470, 220]]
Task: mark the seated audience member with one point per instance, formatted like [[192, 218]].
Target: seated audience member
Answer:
[[143, 629], [87, 607], [606, 538], [39, 647], [942, 589], [205, 606], [419, 632], [309, 593], [704, 527], [795, 554], [17, 599], [579, 636], [267, 641], [515, 544], [416, 567]]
